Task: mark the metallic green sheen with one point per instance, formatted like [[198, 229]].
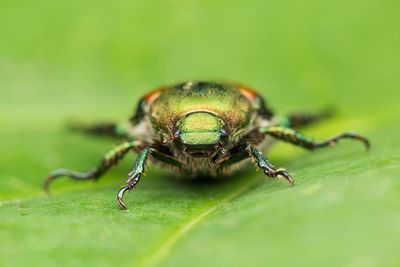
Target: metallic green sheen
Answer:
[[200, 128], [223, 100]]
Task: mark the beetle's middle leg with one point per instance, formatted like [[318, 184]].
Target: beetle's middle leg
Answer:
[[296, 138], [109, 160]]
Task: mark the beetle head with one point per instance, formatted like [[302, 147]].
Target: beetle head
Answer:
[[200, 134]]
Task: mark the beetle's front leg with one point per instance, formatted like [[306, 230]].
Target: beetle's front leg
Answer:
[[134, 175], [109, 160], [139, 168], [248, 151], [267, 167]]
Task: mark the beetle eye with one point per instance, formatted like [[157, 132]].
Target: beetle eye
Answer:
[[223, 132]]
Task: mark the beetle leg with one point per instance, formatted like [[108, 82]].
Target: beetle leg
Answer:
[[267, 167], [109, 129], [109, 160], [262, 162], [296, 138], [301, 119], [134, 175], [232, 157]]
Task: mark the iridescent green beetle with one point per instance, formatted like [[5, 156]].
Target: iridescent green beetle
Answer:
[[201, 129]]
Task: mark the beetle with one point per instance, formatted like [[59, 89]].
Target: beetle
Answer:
[[200, 128]]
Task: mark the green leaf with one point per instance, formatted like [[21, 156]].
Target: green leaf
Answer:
[[85, 61]]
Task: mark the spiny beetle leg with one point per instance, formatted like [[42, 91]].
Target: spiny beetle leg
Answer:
[[109, 160], [109, 129], [296, 138], [301, 119], [267, 167], [134, 175]]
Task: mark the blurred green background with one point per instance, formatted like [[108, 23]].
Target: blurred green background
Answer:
[[63, 61]]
